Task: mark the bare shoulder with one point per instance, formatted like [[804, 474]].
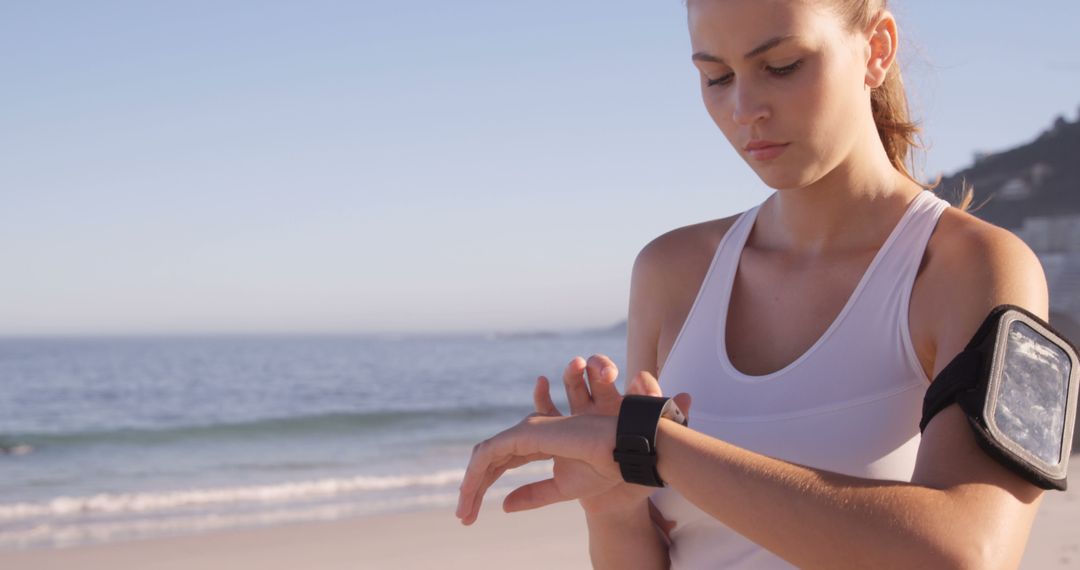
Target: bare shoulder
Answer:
[[973, 266], [667, 274], [679, 258]]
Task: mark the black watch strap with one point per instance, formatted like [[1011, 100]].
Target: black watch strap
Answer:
[[635, 437]]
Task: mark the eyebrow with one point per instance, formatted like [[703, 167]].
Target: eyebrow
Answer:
[[702, 56]]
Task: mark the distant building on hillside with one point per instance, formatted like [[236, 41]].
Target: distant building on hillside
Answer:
[[1059, 234], [1056, 241]]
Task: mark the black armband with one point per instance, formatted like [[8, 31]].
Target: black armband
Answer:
[[1016, 381]]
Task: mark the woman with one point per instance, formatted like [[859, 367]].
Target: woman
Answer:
[[807, 330]]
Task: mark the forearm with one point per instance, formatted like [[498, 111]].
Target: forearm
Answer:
[[818, 519], [626, 540]]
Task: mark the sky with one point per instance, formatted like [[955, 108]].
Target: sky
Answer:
[[425, 166]]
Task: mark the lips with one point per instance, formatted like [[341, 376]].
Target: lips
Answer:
[[760, 144], [765, 150]]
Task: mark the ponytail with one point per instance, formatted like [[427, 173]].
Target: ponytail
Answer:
[[899, 134]]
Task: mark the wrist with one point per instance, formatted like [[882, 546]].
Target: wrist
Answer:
[[664, 430], [607, 512], [639, 422]]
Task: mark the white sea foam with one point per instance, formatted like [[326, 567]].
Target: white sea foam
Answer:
[[67, 533], [17, 449], [282, 492], [261, 495]]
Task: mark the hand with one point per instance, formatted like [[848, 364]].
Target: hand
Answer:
[[594, 395], [580, 444], [583, 442]]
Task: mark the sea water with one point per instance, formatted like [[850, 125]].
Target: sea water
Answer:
[[104, 439]]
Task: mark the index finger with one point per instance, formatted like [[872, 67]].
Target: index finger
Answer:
[[488, 455], [577, 393], [602, 374], [542, 398]]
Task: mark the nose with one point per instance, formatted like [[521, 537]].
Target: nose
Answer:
[[749, 106]]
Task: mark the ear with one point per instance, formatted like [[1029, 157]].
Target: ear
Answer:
[[882, 43]]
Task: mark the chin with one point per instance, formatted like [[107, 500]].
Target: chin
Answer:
[[783, 179]]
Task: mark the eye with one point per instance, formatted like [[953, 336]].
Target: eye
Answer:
[[720, 80], [787, 69], [778, 71]]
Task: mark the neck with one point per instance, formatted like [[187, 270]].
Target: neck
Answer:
[[853, 208]]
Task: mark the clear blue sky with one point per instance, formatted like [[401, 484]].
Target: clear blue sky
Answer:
[[178, 167]]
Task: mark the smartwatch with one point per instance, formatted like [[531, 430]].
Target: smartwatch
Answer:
[[635, 436]]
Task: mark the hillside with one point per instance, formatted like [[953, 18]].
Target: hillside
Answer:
[[1037, 179]]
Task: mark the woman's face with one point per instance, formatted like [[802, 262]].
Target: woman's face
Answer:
[[803, 84]]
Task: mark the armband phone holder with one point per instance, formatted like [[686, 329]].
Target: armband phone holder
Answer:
[[1016, 381]]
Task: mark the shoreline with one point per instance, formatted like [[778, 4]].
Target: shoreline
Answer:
[[552, 537]]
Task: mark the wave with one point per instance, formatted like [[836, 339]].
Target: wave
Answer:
[[67, 534], [15, 449], [112, 504], [317, 424], [124, 503]]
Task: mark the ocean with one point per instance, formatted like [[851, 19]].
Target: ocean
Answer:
[[105, 439]]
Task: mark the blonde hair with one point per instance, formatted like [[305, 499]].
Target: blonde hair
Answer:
[[900, 135]]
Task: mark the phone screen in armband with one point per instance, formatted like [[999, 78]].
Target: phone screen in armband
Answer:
[[1031, 396]]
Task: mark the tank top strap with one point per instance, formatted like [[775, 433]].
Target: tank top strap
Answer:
[[740, 230], [892, 280], [714, 288], [731, 247]]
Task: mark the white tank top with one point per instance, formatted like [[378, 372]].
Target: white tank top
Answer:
[[850, 404]]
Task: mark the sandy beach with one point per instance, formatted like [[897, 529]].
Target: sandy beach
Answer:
[[554, 537], [1055, 537]]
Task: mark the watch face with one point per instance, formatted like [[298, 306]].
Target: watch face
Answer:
[[673, 412]]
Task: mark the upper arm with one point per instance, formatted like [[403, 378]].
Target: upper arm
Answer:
[[981, 267], [645, 315]]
